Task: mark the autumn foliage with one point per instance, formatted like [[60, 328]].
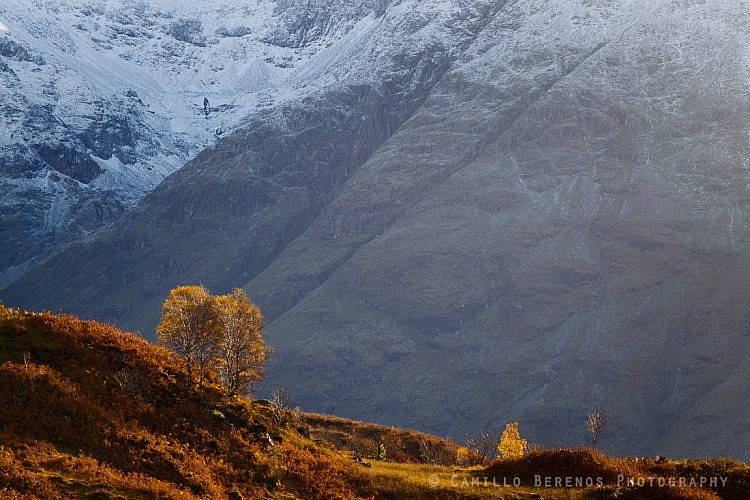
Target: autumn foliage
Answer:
[[242, 351], [511, 445], [86, 409], [627, 478], [215, 333], [189, 327], [371, 441]]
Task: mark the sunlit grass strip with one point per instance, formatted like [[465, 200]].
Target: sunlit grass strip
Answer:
[[420, 481]]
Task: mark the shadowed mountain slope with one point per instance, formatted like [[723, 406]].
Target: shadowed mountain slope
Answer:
[[532, 244]]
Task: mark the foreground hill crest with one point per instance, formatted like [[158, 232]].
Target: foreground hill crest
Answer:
[[88, 411]]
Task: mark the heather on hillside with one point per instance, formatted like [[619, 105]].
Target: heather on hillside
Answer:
[[89, 411], [106, 410]]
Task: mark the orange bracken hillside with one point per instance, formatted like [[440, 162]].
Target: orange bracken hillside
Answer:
[[87, 411]]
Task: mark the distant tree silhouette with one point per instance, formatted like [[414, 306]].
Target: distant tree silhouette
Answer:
[[485, 444], [596, 421], [281, 404]]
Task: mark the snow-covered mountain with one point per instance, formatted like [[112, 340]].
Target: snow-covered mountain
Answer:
[[453, 214], [103, 99], [100, 100]]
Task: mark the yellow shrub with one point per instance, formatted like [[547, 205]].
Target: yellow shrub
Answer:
[[511, 445]]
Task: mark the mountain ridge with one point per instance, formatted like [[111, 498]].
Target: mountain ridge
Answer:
[[104, 100]]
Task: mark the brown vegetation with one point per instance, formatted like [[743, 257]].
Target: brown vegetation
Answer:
[[399, 445], [626, 477], [84, 407], [89, 411]]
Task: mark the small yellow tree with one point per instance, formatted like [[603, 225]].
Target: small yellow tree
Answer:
[[188, 326], [221, 333], [242, 352], [512, 445]]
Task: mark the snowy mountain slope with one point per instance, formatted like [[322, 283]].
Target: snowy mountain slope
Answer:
[[101, 100], [360, 88]]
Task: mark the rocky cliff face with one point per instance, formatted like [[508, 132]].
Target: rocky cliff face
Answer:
[[525, 211]]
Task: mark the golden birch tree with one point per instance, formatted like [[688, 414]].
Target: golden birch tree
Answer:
[[190, 328], [242, 351]]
